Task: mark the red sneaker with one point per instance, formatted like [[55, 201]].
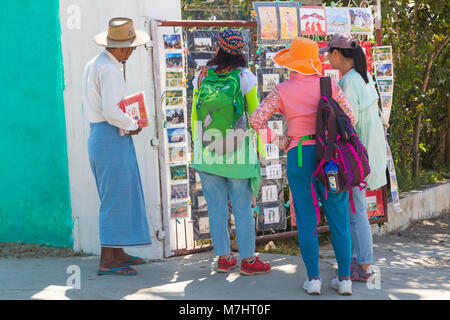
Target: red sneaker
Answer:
[[254, 268], [225, 265]]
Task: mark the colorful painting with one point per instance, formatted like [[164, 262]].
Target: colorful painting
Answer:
[[176, 135], [267, 18], [179, 191], [338, 20], [174, 79], [288, 21], [361, 20], [174, 116], [385, 86], [177, 154], [178, 172], [313, 20]]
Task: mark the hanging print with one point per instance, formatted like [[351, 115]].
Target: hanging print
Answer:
[[313, 20], [338, 20], [289, 21], [361, 20], [267, 19]]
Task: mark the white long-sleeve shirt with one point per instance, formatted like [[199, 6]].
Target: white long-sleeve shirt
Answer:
[[104, 88]]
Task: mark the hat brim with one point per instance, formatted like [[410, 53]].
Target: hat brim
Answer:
[[324, 49], [286, 60], [141, 38]]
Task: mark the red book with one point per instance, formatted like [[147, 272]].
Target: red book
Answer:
[[134, 106]]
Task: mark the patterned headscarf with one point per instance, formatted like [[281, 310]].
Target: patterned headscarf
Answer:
[[231, 41]]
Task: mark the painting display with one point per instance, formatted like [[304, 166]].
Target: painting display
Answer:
[[361, 20], [338, 20], [313, 20]]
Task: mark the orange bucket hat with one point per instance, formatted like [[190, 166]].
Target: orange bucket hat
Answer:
[[302, 56]]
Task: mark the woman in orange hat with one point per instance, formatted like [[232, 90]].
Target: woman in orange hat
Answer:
[[297, 100]]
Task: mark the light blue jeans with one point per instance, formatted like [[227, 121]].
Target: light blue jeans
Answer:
[[216, 189], [362, 242]]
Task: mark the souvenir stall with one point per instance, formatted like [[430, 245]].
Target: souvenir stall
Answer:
[[180, 48]]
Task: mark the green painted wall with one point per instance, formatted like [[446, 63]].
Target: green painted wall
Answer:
[[34, 178]]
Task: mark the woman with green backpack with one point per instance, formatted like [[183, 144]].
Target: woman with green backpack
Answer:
[[225, 149]]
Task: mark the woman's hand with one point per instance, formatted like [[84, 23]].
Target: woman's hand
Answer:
[[282, 142]]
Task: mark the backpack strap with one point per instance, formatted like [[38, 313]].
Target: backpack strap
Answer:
[[325, 87], [202, 75]]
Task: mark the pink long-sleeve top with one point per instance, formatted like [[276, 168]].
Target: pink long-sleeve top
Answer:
[[297, 100]]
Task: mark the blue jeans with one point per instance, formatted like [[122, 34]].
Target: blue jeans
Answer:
[[362, 242], [216, 189], [335, 207]]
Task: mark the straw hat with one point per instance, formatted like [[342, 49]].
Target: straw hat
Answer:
[[302, 56], [121, 34]]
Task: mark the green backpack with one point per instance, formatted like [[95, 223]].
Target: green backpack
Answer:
[[221, 110]]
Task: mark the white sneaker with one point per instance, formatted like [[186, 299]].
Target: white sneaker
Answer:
[[344, 287], [313, 286]]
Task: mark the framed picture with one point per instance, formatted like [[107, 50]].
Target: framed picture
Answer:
[[174, 61], [176, 135], [338, 20], [271, 215], [268, 21], [174, 116], [361, 20], [289, 21], [177, 154], [203, 224], [333, 74], [178, 172], [179, 191], [172, 41], [313, 20]]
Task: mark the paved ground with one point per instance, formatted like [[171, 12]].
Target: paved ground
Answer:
[[414, 264]]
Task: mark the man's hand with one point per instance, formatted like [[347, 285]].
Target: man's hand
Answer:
[[139, 129]]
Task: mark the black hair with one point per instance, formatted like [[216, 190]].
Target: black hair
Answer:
[[224, 60], [359, 59]]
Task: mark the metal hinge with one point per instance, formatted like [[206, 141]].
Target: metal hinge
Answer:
[[154, 142], [160, 235]]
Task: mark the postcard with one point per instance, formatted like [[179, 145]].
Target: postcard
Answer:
[[177, 154], [178, 172], [203, 45], [174, 116], [272, 152], [383, 53], [276, 126], [172, 41], [274, 171], [269, 193], [174, 79], [270, 81], [313, 20], [174, 61], [271, 215], [385, 86], [203, 224], [179, 209], [174, 97], [383, 69], [176, 135], [179, 191]]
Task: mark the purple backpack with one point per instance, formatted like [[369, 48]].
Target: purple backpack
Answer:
[[342, 161]]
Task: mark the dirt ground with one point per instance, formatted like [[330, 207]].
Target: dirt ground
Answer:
[[432, 231]]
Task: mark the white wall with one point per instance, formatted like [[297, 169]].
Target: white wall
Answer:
[[80, 21]]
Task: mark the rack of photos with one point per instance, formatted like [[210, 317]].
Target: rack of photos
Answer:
[[184, 47]]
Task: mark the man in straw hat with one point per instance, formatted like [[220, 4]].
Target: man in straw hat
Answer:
[[122, 219]]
